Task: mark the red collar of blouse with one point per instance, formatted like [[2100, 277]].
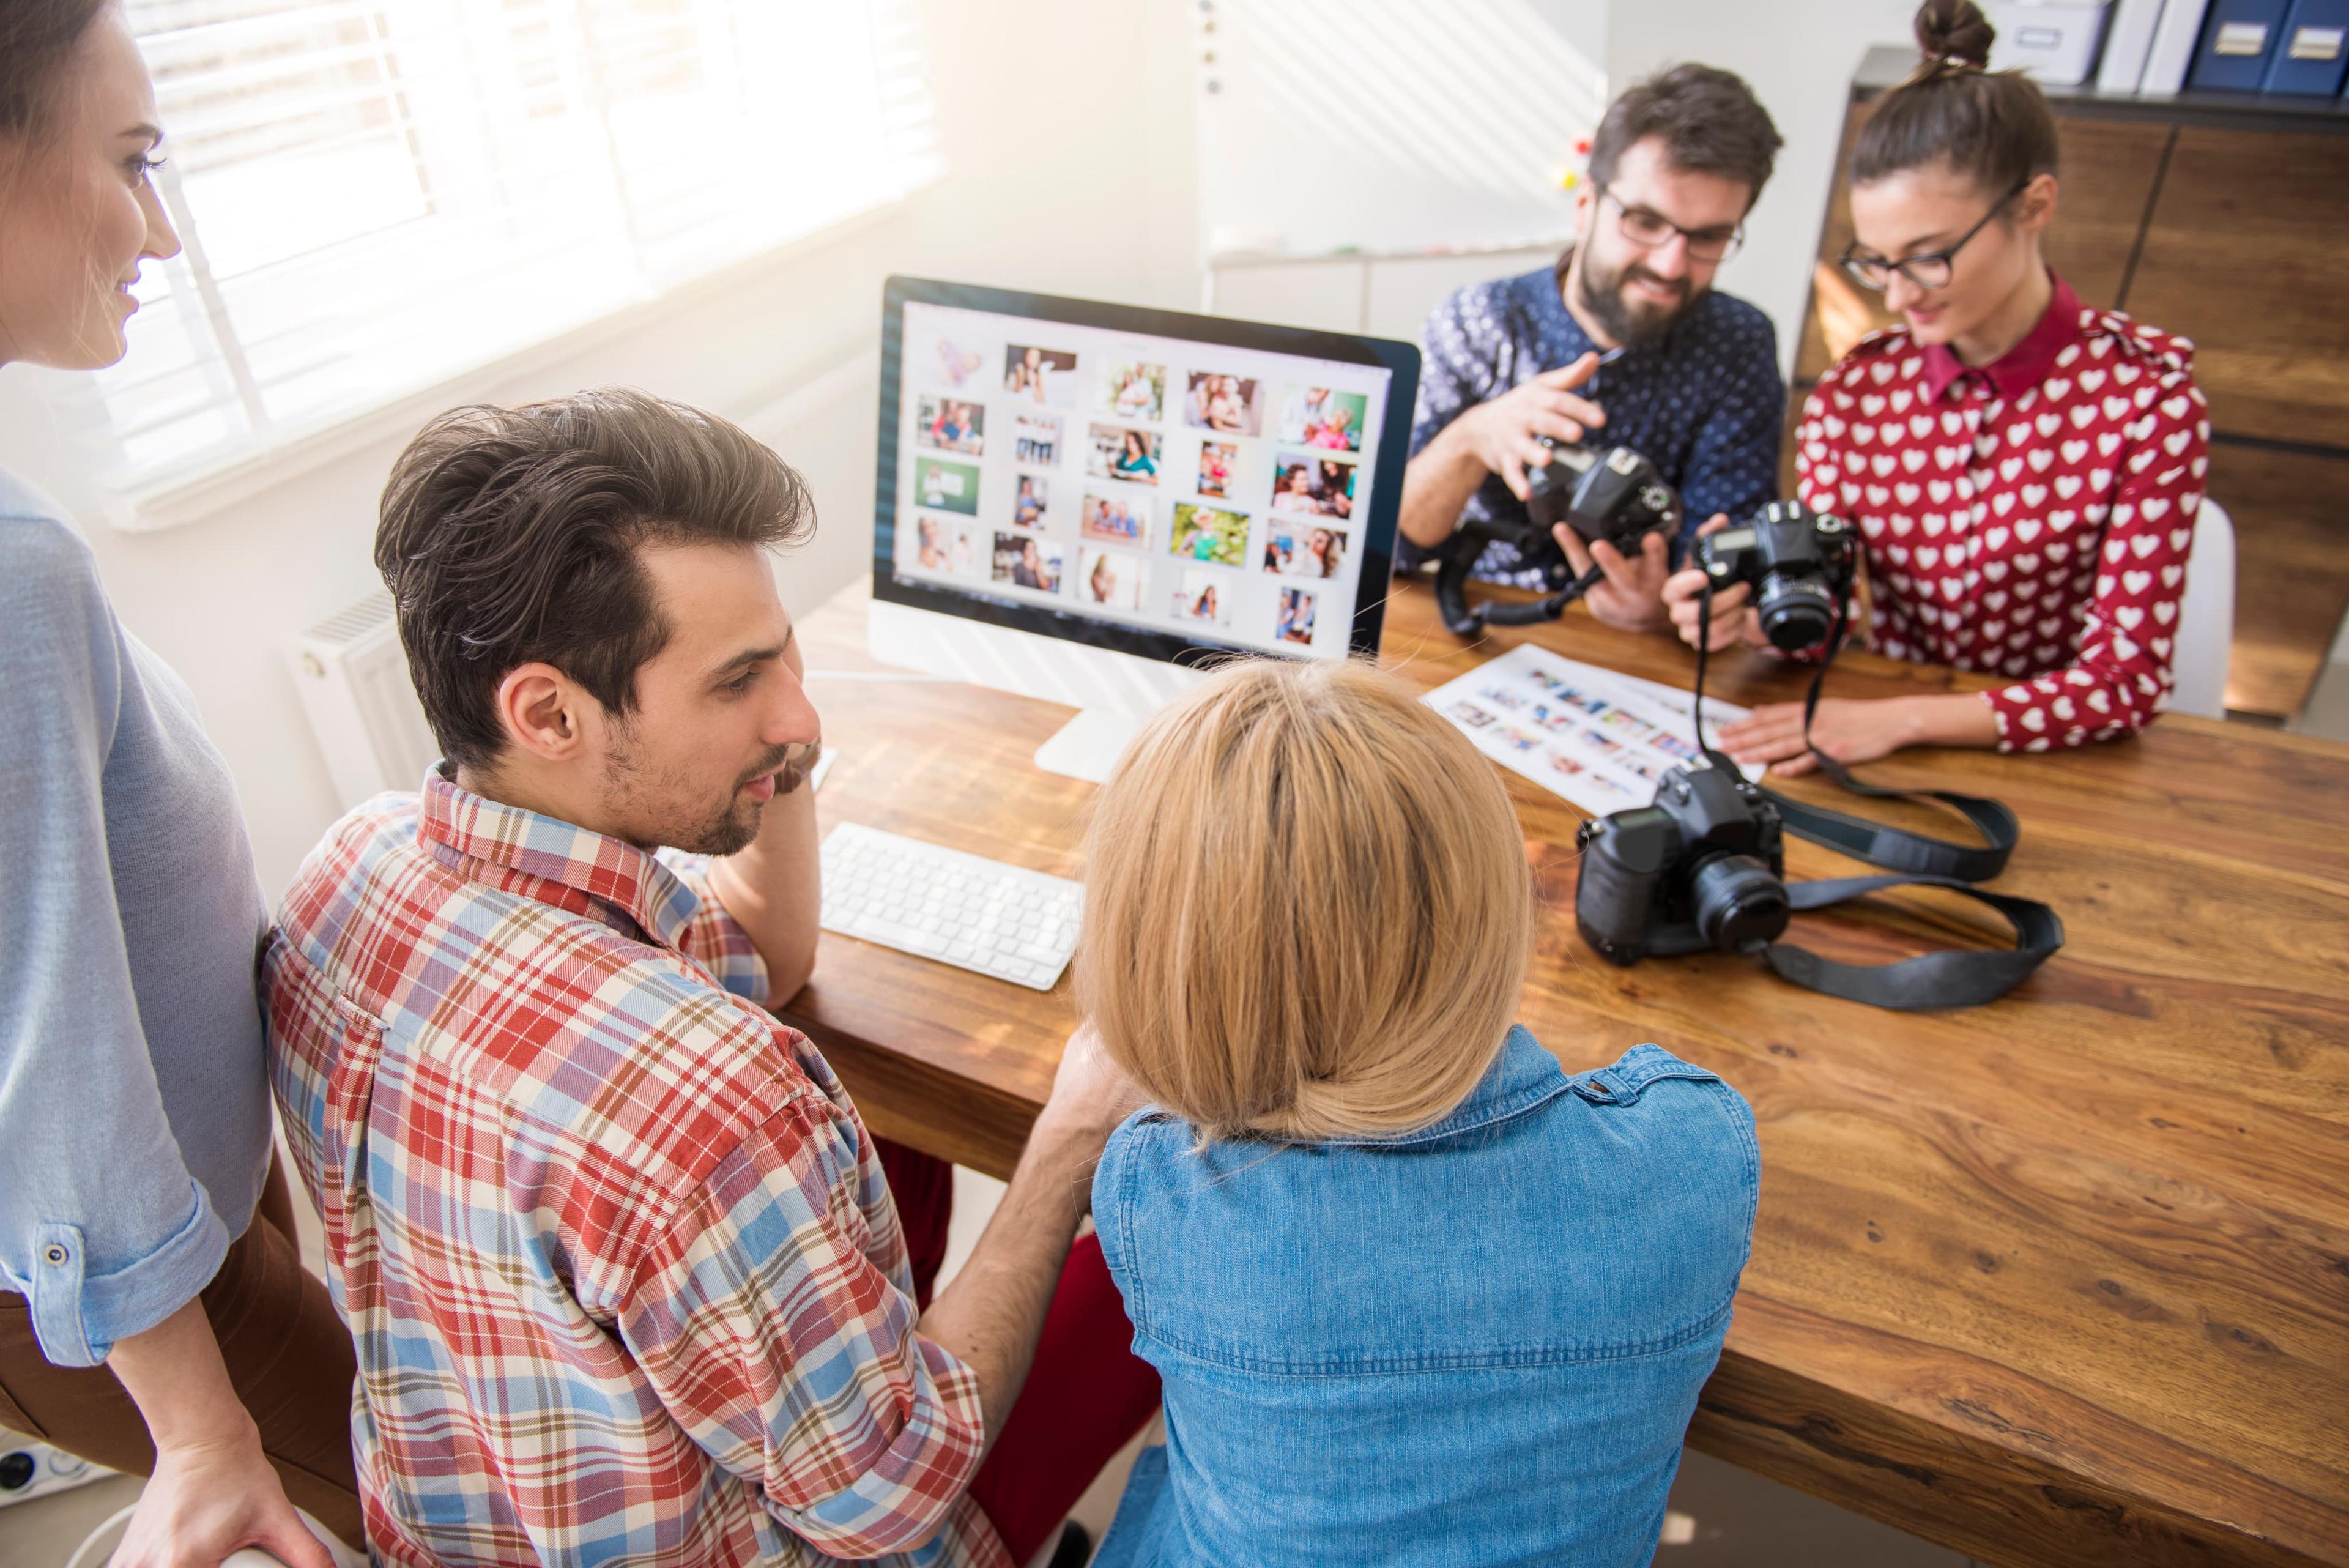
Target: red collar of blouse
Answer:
[[2026, 364]]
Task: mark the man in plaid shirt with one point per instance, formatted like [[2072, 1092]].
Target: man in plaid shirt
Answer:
[[626, 1276]]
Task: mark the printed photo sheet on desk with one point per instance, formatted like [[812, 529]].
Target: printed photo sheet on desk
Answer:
[[1601, 739]]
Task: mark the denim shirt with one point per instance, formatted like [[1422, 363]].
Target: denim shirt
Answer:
[[1479, 1343]]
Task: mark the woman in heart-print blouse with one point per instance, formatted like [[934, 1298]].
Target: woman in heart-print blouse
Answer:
[[2024, 470]]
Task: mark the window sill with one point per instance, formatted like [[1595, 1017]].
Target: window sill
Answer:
[[193, 494]]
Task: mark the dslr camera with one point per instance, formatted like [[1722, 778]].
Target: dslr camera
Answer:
[[1703, 868], [1800, 563], [1615, 494]]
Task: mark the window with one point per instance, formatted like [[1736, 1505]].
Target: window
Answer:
[[377, 194]]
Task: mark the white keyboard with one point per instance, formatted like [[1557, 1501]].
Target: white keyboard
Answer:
[[963, 909]]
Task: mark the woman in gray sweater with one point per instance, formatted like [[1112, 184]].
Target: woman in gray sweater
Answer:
[[154, 1317]]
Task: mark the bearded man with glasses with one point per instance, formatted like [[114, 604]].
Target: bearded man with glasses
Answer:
[[1622, 342]]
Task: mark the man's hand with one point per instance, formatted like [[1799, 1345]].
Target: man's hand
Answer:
[[1631, 596], [1732, 621], [1502, 437], [1506, 433], [1091, 1093]]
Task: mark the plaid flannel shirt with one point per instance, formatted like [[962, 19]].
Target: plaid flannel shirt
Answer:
[[627, 1280]]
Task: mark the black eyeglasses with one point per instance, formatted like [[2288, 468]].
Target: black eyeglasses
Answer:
[[1930, 270], [1648, 229]]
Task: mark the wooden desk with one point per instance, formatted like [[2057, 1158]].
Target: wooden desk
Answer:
[[2063, 1280]]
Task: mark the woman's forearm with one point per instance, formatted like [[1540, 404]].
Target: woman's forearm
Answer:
[[1959, 718]]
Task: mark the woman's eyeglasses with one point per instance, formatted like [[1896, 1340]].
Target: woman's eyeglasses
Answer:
[[1648, 230], [1930, 270]]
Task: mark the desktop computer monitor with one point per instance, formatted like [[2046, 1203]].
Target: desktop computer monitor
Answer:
[[1087, 502]]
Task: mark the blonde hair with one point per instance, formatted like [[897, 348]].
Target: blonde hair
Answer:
[[1307, 907]]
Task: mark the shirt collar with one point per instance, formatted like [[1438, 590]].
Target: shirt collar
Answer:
[[2026, 364], [606, 869], [1522, 1076]]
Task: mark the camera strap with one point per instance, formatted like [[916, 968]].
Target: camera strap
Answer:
[[1958, 978], [1461, 554], [1894, 848]]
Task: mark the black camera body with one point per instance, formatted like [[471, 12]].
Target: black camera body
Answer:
[[1800, 563], [1702, 869], [1614, 494]]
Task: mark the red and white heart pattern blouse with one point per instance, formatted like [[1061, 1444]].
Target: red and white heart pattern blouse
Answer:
[[2030, 519]]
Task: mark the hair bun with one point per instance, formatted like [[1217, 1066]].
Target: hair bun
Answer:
[[1954, 30]]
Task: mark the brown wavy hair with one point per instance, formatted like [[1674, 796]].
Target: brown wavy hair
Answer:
[[1995, 126], [509, 536]]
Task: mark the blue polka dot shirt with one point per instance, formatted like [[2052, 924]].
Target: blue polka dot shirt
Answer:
[[1705, 403]]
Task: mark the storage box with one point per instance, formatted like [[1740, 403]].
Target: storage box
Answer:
[[2055, 41]]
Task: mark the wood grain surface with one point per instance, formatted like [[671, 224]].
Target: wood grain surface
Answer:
[[2062, 1279]]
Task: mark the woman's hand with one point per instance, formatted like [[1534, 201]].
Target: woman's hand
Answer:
[[209, 1499], [1849, 732], [1733, 621]]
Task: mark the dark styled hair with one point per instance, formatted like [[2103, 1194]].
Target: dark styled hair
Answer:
[[36, 38], [509, 536], [1995, 126], [1709, 120]]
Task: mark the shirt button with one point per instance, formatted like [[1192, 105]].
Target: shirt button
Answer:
[[55, 1255]]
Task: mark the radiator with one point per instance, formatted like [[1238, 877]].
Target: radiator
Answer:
[[353, 678]]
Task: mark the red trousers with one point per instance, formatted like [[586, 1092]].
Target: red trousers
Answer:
[[1087, 1393]]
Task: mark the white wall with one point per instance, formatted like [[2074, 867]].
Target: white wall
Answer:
[[1798, 56], [1047, 204]]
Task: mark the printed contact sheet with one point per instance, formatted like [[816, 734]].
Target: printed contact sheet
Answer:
[[1600, 739]]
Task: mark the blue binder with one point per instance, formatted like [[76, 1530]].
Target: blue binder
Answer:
[[2312, 53], [2239, 39]]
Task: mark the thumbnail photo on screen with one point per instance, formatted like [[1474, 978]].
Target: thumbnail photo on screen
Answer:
[[946, 486], [1027, 562], [1296, 549], [1034, 375], [1028, 500], [951, 424], [1114, 519], [1120, 452], [1207, 534], [1318, 486], [1229, 405], [950, 360], [1111, 578], [1202, 598], [1323, 417], [1217, 461], [1036, 438], [1295, 621], [1135, 389]]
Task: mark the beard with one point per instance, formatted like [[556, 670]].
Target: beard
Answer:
[[1599, 291], [667, 812]]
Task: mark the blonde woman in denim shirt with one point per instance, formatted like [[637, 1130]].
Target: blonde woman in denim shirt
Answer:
[[1418, 1296]]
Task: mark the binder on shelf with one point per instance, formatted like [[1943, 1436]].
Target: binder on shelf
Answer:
[[2174, 37], [2126, 44], [2239, 39], [2312, 54]]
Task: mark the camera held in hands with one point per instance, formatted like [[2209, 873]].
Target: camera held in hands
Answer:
[[1800, 563], [1614, 494], [1611, 494], [1703, 868]]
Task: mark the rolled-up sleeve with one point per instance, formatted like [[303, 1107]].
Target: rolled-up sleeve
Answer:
[[102, 1228], [792, 1358], [714, 939]]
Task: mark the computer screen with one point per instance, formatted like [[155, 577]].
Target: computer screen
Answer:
[[1146, 481]]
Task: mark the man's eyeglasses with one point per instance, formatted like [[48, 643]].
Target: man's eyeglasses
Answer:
[[1648, 230], [1930, 270]]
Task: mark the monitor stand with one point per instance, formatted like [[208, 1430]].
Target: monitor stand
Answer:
[[1088, 746]]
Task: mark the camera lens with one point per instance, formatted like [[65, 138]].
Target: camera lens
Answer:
[[17, 1470], [1739, 904], [1797, 612]]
